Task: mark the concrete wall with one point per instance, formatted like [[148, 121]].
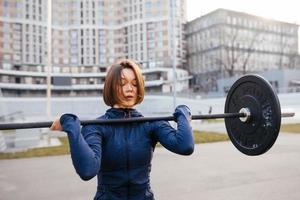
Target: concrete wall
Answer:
[[34, 109], [282, 77]]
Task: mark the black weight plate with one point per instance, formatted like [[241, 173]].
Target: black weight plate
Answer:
[[257, 135]]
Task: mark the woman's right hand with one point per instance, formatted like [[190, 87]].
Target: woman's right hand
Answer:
[[56, 126]]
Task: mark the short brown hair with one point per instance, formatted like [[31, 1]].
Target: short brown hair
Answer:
[[113, 82]]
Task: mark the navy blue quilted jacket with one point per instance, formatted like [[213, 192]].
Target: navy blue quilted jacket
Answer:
[[120, 154]]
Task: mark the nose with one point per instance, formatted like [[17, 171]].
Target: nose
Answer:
[[129, 87]]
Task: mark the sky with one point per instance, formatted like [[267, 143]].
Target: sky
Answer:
[[286, 11]]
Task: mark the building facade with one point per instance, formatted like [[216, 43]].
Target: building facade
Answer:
[[87, 36], [225, 43], [282, 80]]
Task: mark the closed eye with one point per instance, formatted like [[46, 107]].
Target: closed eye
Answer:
[[134, 83], [124, 82]]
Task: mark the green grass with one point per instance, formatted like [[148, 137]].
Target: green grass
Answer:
[[200, 137], [208, 137], [291, 128], [38, 152]]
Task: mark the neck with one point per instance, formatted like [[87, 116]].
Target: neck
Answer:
[[123, 107]]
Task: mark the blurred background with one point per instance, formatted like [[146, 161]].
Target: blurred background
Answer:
[[54, 55]]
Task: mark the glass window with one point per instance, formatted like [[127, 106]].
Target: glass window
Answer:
[[6, 66], [148, 4]]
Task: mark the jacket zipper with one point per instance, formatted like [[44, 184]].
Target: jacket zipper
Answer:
[[127, 115]]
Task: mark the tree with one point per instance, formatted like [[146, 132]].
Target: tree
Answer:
[[288, 55], [236, 47]]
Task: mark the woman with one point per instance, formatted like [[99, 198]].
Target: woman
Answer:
[[120, 154]]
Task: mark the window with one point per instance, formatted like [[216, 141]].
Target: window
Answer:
[[74, 60], [17, 80]]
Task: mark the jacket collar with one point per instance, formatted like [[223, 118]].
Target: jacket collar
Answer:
[[122, 113]]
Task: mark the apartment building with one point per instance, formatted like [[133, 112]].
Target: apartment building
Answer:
[[224, 43], [88, 36]]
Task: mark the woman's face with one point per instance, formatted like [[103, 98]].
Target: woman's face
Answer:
[[128, 89]]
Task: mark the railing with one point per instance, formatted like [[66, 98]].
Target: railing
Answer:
[[12, 116]]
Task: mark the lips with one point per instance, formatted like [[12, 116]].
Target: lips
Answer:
[[129, 97]]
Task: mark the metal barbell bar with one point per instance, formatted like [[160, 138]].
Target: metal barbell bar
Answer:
[[244, 115], [7, 126]]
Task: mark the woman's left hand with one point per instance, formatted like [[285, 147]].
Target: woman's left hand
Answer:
[[183, 110]]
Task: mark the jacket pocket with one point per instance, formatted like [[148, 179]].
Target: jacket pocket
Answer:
[[101, 196]]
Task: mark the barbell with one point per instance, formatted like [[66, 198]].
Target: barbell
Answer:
[[252, 116]]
